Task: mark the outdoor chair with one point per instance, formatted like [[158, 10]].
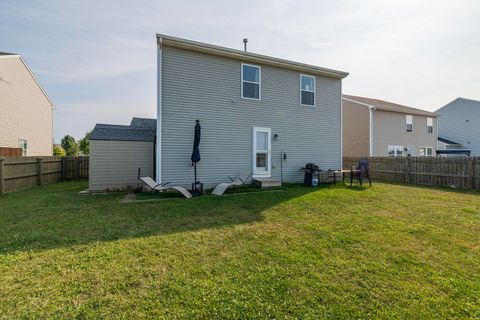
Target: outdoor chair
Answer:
[[153, 185], [362, 170], [239, 180]]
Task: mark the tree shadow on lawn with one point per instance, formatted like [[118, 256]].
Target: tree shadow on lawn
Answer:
[[56, 216]]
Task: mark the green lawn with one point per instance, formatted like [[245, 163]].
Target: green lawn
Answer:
[[391, 251]]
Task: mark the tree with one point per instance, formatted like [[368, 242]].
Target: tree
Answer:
[[58, 151], [84, 144], [70, 146]]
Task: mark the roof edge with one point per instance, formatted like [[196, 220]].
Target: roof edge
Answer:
[[376, 107], [247, 56], [38, 83]]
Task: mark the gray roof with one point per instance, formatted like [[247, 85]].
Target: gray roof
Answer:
[[447, 141], [247, 56], [8, 54], [144, 123], [389, 106], [122, 133]]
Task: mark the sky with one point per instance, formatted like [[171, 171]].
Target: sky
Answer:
[[97, 59]]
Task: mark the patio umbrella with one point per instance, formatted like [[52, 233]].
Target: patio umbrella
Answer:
[[196, 152]]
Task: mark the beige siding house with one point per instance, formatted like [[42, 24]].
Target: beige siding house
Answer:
[[26, 112], [373, 127]]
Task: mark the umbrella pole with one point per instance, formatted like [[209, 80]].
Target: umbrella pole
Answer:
[[195, 170]]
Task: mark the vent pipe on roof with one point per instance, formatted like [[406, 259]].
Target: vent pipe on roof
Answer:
[[245, 40]]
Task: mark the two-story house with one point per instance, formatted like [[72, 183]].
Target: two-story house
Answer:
[[373, 127], [26, 112], [460, 124], [259, 114]]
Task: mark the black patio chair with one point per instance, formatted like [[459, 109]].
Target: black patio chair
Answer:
[[362, 170]]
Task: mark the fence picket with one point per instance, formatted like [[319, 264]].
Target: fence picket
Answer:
[[457, 172]]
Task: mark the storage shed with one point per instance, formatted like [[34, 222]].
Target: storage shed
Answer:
[[118, 152]]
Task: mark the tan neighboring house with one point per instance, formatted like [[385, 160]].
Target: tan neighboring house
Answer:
[[26, 112], [373, 127]]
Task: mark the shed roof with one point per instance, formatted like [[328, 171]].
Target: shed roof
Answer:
[[447, 141], [122, 133], [389, 106], [144, 122], [211, 49]]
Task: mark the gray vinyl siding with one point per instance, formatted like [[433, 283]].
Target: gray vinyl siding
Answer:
[[453, 123], [389, 128], [208, 88], [114, 164]]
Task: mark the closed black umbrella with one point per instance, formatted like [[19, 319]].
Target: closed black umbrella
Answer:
[[196, 151]]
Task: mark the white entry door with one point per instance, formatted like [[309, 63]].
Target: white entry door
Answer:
[[261, 154]]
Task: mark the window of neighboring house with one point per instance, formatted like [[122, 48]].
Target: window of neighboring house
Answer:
[[429, 125], [307, 90], [409, 123], [410, 151], [251, 78], [426, 152], [22, 143], [395, 151]]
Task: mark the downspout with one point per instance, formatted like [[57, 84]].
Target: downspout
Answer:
[[371, 109], [158, 165]]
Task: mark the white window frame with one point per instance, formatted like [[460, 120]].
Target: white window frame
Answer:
[[259, 81], [430, 118], [395, 148], [413, 151], [408, 116], [314, 90], [24, 151], [267, 173], [426, 152]]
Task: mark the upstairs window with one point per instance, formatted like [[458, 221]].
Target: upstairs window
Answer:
[[22, 143], [409, 123], [429, 125], [251, 81], [307, 90]]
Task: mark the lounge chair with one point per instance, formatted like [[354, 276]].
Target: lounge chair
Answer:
[[239, 180], [153, 185]]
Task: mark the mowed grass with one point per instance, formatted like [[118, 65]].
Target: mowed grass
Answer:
[[390, 251]]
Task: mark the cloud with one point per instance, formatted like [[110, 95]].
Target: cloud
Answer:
[[97, 58]]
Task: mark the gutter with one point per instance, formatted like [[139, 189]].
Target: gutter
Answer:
[[249, 57]]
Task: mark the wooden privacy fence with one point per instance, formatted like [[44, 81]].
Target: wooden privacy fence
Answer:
[[17, 173], [457, 172]]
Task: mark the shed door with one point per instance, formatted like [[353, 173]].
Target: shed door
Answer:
[[262, 152]]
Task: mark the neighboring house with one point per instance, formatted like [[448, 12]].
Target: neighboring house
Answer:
[[259, 114], [460, 122], [26, 112], [451, 148], [118, 152], [373, 127]]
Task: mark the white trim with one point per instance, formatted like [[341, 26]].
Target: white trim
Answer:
[[370, 140], [406, 122], [314, 90], [26, 149], [395, 148], [341, 126], [259, 81], [158, 165], [426, 153], [269, 152], [431, 118], [36, 81]]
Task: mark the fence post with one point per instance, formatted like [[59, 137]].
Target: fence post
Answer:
[[2, 176], [63, 169], [408, 171], [40, 171]]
